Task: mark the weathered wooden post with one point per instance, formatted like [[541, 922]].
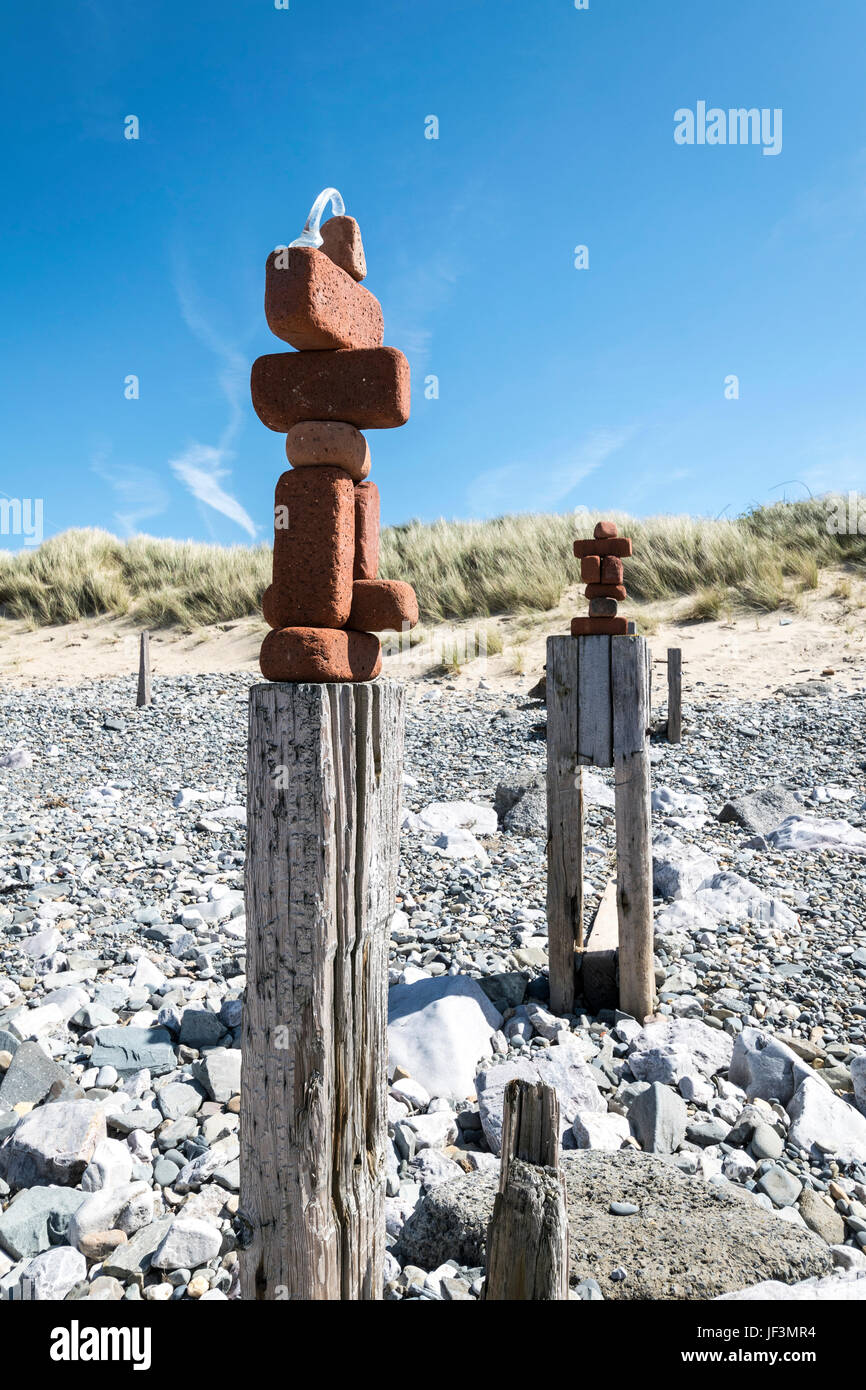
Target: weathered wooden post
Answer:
[[632, 790], [598, 682], [675, 694], [527, 1239], [144, 691], [323, 826]]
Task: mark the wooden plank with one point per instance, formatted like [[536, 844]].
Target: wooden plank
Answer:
[[564, 821], [595, 718], [633, 826], [599, 960], [144, 690], [324, 777], [675, 695], [527, 1240]]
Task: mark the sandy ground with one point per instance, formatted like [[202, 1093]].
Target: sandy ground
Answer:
[[744, 655]]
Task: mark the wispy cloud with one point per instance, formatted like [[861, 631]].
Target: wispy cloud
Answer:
[[198, 468], [139, 492], [201, 466], [541, 486]]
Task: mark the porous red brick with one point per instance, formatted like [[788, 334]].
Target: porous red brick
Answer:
[[341, 240], [368, 387], [320, 654], [611, 570], [315, 442], [313, 304], [605, 591], [618, 545], [600, 627], [314, 549], [602, 607], [605, 530], [382, 605], [366, 532], [590, 569]]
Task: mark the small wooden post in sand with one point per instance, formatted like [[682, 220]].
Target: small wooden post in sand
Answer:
[[675, 695], [144, 691], [323, 821], [527, 1240]]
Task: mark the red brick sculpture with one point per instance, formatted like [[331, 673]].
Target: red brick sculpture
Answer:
[[325, 595], [601, 570]]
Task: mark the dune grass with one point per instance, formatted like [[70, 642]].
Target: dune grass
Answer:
[[460, 569]]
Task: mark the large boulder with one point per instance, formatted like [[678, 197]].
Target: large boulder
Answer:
[[669, 1049], [690, 1239], [568, 1074], [765, 1068], [761, 811], [53, 1144], [438, 1030]]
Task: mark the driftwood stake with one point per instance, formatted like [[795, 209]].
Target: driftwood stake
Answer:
[[324, 779], [675, 695], [144, 692], [633, 827], [527, 1240]]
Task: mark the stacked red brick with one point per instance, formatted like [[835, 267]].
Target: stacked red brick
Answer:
[[601, 570], [326, 604]]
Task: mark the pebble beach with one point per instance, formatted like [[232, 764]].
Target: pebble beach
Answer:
[[718, 1150]]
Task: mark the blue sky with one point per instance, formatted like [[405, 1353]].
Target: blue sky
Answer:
[[557, 386]]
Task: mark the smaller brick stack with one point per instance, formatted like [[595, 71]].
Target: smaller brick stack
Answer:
[[601, 570]]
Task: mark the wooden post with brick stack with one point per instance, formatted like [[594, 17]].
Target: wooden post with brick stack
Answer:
[[598, 715], [324, 778]]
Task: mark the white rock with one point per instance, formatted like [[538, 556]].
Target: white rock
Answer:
[[139, 1211], [671, 1048], [696, 1088], [596, 792], [672, 803], [110, 1166], [438, 1029], [847, 1286], [433, 1131], [53, 1144], [50, 1276], [68, 1000], [409, 1090], [679, 868], [453, 815], [42, 944], [823, 1120], [811, 832], [16, 757], [560, 1068], [147, 975], [188, 1243], [460, 844], [35, 1024], [432, 1168], [593, 1129], [99, 1211]]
